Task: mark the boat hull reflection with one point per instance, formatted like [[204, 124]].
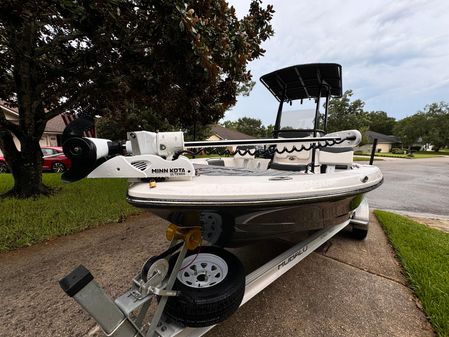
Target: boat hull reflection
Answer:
[[236, 226]]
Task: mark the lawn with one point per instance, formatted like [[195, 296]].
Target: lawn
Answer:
[[424, 253], [74, 207], [416, 155], [365, 159]]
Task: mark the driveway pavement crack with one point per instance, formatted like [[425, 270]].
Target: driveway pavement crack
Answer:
[[365, 270]]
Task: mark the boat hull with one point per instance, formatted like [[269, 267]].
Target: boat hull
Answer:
[[235, 210], [229, 226]]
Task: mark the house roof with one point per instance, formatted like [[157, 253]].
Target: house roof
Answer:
[[381, 138], [230, 134], [54, 125], [12, 111]]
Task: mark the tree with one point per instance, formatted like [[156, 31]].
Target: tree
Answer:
[[411, 129], [247, 125], [380, 122], [345, 114], [180, 62], [46, 68], [437, 125], [430, 125], [269, 131], [250, 126]]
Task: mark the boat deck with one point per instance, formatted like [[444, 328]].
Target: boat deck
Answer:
[[213, 170]]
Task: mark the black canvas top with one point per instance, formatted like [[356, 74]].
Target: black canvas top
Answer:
[[304, 81]]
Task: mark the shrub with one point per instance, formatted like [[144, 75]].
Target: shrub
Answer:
[[397, 150]]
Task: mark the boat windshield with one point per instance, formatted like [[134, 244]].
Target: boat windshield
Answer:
[[297, 119]]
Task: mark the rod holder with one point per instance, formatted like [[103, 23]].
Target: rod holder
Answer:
[[373, 151]]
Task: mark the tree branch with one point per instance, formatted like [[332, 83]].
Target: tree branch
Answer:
[[7, 144], [66, 105], [10, 126]]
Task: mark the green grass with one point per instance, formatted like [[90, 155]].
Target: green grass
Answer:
[[387, 154], [365, 159], [416, 155], [424, 253], [74, 207], [444, 152]]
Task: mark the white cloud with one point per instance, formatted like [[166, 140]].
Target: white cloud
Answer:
[[394, 54]]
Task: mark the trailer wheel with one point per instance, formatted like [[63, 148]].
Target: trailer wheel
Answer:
[[211, 284], [359, 234]]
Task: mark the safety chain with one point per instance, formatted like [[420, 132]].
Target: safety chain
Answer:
[[264, 153]]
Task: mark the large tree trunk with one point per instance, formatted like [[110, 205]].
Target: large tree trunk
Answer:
[[28, 173], [25, 166]]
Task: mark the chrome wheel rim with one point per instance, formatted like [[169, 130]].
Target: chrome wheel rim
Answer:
[[58, 167]]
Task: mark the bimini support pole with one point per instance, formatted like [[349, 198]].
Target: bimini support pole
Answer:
[[315, 126], [277, 125], [326, 107]]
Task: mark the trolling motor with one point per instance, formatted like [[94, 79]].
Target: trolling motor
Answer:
[[150, 151], [157, 154], [85, 153]]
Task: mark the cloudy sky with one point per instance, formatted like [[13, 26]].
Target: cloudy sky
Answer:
[[395, 54]]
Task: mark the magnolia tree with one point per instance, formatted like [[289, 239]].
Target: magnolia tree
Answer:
[[180, 62], [429, 125]]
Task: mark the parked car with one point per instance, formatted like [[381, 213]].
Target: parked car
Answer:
[[54, 160], [3, 166]]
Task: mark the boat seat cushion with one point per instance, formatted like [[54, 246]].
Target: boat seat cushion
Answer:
[[288, 167], [336, 149], [335, 155]]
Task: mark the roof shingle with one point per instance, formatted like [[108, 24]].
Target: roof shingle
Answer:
[[229, 134]]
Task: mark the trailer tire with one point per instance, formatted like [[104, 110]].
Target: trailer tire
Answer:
[[359, 234], [201, 306]]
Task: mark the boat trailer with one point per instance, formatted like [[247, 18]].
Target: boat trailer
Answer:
[[118, 318]]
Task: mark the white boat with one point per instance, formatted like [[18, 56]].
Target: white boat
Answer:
[[309, 180], [303, 180]]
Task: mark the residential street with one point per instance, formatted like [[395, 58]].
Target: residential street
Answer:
[[418, 186]]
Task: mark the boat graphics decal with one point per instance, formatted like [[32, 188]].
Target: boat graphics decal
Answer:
[[292, 257]]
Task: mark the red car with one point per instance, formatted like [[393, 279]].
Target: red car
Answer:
[[54, 160]]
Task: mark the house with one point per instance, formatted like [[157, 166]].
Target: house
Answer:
[[384, 142], [219, 132], [52, 133]]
